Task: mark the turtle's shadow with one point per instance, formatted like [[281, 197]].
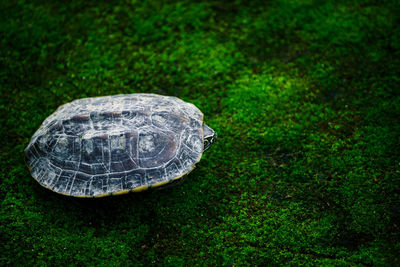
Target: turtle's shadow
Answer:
[[138, 213], [111, 212]]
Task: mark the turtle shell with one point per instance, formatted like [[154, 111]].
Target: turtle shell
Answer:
[[111, 145]]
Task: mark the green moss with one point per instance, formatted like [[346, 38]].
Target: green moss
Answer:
[[304, 96]]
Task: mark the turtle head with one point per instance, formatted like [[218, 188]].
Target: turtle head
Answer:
[[210, 136]]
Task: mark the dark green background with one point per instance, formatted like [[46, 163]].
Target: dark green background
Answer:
[[303, 94]]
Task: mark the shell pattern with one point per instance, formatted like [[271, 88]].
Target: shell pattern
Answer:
[[100, 146]]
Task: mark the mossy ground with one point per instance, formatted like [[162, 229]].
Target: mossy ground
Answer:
[[305, 98]]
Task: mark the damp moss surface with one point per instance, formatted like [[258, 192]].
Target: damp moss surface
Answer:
[[304, 96]]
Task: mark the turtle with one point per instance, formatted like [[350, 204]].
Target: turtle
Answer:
[[112, 145]]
